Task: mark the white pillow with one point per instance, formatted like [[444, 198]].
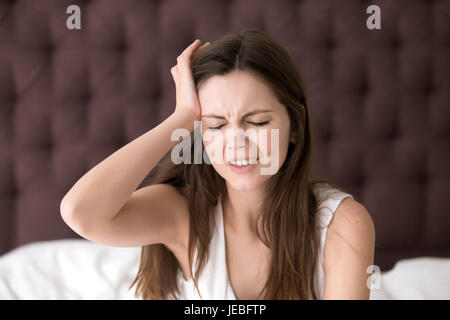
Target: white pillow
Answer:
[[421, 278], [68, 269]]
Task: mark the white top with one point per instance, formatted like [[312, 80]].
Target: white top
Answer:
[[214, 283]]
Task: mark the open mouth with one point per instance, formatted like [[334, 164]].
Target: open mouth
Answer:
[[243, 163], [242, 166]]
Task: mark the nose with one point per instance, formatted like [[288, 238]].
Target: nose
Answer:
[[232, 136]]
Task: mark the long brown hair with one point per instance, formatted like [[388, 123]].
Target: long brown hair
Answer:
[[289, 214]]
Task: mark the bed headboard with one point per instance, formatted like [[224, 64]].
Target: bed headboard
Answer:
[[378, 101]]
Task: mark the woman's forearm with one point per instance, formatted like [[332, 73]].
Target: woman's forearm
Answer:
[[102, 191]]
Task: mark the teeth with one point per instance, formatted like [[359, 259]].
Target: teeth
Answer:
[[243, 162]]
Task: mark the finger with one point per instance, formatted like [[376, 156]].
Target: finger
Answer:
[[174, 72], [191, 47], [187, 54], [204, 46]]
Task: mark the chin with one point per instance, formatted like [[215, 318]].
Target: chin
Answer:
[[245, 183], [243, 186]]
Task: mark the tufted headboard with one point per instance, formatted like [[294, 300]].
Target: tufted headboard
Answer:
[[378, 101]]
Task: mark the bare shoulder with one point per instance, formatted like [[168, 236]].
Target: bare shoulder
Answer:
[[349, 251], [351, 229], [351, 213]]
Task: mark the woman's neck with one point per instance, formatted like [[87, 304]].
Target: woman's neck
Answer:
[[241, 211]]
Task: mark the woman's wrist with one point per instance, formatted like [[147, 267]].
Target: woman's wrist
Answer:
[[186, 118]]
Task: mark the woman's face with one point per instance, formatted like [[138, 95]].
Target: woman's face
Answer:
[[232, 107]]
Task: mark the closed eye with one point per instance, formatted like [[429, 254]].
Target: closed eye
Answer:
[[216, 128], [258, 124]]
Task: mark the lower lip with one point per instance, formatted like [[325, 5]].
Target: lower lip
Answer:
[[242, 169]]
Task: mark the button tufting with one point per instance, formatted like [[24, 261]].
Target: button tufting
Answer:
[[157, 94], [423, 178], [122, 47], [51, 47], [360, 179], [394, 133], [429, 88], [397, 43], [363, 88], [87, 95], [330, 44], [13, 191], [47, 145]]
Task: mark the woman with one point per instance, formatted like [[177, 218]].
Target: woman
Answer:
[[251, 235]]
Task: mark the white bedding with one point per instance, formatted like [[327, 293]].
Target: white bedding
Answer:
[[81, 269], [68, 269]]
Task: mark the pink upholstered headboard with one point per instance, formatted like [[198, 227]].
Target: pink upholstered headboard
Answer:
[[379, 101]]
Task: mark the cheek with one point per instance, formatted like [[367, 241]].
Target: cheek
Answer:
[[276, 142], [269, 141], [214, 148], [265, 142]]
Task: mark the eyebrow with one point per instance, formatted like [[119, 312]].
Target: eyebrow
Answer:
[[244, 116]]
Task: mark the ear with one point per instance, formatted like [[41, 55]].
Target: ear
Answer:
[[292, 137]]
